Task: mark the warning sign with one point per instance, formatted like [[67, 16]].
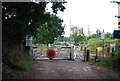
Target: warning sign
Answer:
[[50, 53]]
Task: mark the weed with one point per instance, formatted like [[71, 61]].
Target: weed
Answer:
[[15, 60], [109, 77], [109, 62]]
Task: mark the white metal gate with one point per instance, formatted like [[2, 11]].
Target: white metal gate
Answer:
[[61, 52]]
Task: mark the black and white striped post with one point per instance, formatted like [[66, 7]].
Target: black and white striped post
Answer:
[[118, 2], [119, 16], [102, 38]]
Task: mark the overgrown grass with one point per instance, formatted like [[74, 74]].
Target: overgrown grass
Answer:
[[109, 77], [26, 63], [14, 61], [109, 62]]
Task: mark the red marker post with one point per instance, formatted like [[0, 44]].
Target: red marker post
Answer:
[[50, 54]]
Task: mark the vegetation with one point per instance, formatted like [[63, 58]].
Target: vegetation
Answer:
[[109, 62], [112, 60], [26, 18], [16, 60], [50, 30], [78, 35], [61, 39]]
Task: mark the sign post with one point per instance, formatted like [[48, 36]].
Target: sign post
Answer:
[[28, 41], [29, 44], [72, 42]]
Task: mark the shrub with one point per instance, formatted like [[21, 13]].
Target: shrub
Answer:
[[110, 62], [115, 61]]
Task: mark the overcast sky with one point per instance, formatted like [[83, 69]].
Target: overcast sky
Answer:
[[93, 13]]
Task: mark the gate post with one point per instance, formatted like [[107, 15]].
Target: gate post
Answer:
[[84, 54], [71, 53]]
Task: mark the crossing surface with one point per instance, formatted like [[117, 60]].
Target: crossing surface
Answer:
[[65, 69]]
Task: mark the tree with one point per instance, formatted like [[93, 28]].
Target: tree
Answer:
[[50, 30], [61, 39], [77, 34], [98, 32], [24, 18], [107, 35]]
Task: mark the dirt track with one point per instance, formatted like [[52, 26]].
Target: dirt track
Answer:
[[64, 69]]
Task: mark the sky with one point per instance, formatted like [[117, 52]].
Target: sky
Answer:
[[95, 14]]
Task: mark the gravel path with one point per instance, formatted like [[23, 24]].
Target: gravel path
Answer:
[[65, 69]]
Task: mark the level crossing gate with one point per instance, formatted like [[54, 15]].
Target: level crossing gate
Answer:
[[61, 52]]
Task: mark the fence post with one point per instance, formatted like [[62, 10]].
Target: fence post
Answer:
[[96, 55], [88, 55], [112, 52], [70, 53]]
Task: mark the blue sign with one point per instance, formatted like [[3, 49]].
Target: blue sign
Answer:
[[28, 41], [116, 34], [86, 42]]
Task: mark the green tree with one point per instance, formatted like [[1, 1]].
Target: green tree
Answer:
[[61, 39], [77, 34], [107, 35], [48, 32], [24, 18], [98, 32]]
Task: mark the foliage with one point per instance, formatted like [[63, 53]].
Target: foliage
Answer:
[[77, 34], [15, 60], [98, 32], [9, 73], [108, 35], [115, 61], [48, 32], [61, 39], [109, 62], [23, 18], [94, 43], [118, 43], [57, 43], [76, 44], [26, 18], [58, 6], [92, 36]]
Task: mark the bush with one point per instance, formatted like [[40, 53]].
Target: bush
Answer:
[[26, 63], [115, 61], [57, 43], [110, 62], [94, 43]]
